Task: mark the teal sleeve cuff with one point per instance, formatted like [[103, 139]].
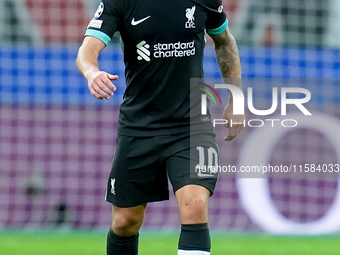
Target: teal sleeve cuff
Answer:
[[220, 29], [99, 35]]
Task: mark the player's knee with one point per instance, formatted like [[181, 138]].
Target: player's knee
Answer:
[[126, 224], [193, 204], [194, 210], [198, 205], [126, 221]]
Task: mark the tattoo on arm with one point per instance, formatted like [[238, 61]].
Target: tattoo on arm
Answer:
[[228, 59]]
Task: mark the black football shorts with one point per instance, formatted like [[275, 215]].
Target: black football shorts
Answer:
[[142, 165]]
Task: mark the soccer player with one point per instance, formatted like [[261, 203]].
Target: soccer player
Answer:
[[161, 133]]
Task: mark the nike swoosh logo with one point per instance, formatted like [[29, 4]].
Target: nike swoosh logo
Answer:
[[135, 23]]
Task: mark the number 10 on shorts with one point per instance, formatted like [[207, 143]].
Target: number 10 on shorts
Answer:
[[208, 162]]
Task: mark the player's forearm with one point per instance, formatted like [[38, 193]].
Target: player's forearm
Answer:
[[87, 61], [228, 59]]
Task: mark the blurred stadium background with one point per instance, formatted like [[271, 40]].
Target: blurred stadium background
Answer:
[[57, 140]]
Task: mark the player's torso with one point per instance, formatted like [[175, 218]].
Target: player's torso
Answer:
[[163, 48]]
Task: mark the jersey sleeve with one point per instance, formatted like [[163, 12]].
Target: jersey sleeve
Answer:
[[106, 20], [217, 20]]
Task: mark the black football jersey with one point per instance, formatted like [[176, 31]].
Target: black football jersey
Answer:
[[163, 48]]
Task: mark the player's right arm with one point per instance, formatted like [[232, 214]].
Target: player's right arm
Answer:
[[99, 82]]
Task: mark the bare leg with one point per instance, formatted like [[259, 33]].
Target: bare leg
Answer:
[[122, 238], [193, 207]]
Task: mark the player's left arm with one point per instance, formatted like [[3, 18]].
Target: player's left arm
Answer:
[[228, 59]]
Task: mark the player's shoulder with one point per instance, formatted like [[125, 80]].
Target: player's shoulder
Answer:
[[213, 5]]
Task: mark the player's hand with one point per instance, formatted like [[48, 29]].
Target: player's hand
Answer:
[[236, 120], [100, 84]]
